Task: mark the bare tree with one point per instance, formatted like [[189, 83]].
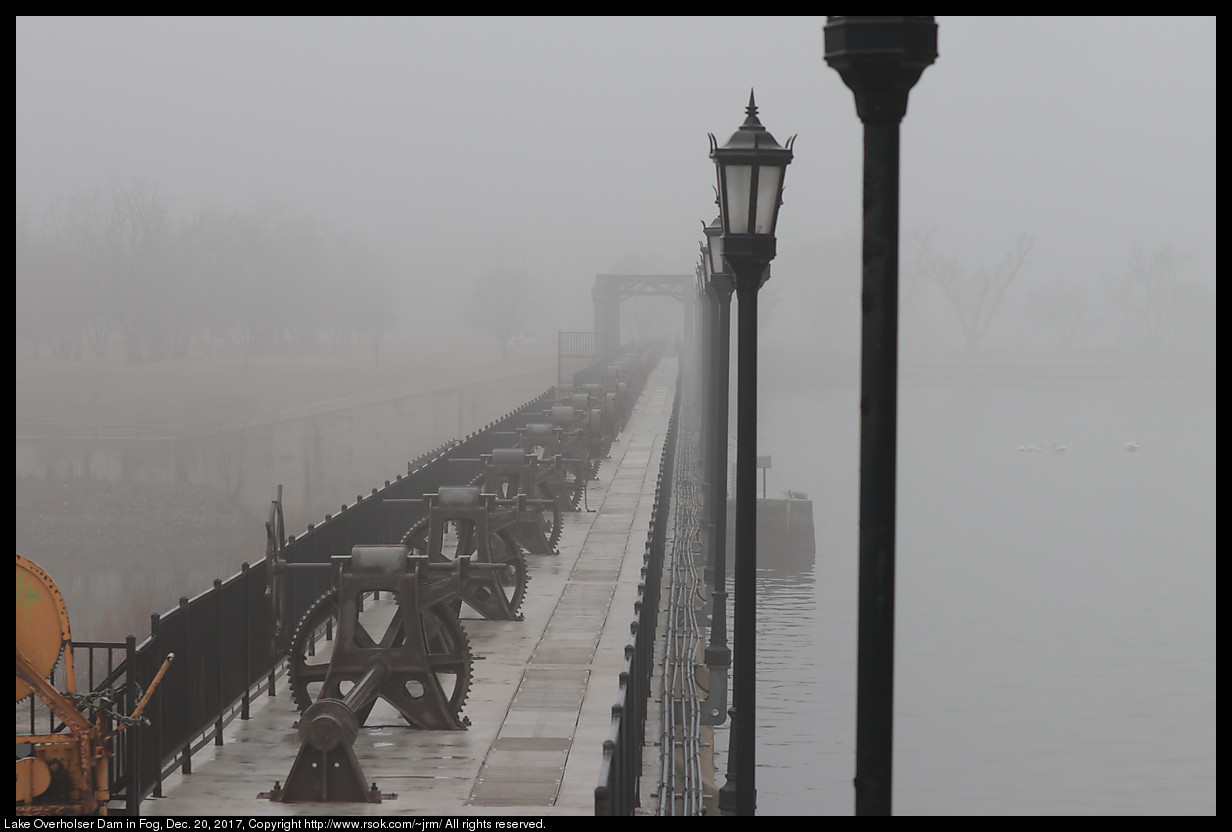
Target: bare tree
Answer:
[[361, 289], [32, 302], [226, 435], [372, 287], [975, 296], [215, 245], [1197, 320], [273, 281], [87, 229], [503, 303], [119, 262], [53, 302], [1151, 293], [1063, 308], [138, 238]]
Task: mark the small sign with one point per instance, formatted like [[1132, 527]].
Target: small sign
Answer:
[[763, 462]]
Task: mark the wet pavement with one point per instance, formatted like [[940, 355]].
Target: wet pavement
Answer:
[[541, 693]]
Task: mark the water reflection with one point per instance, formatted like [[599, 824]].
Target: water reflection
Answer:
[[794, 734], [1055, 644]]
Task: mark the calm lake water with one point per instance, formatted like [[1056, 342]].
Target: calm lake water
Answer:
[[1055, 626]]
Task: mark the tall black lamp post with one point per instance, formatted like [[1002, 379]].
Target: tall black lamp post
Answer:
[[750, 171], [880, 59], [718, 287], [701, 363]]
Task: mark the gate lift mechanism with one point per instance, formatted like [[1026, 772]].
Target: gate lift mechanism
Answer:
[[461, 518], [64, 773], [420, 664]]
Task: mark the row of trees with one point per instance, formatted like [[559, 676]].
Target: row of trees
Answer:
[[121, 267], [1148, 305]]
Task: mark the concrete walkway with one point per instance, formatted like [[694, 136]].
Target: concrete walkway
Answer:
[[542, 689]]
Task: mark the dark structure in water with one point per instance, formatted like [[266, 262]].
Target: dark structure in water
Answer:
[[786, 541]]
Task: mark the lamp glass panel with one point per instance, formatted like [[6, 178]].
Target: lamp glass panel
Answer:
[[768, 179], [716, 254], [738, 183]]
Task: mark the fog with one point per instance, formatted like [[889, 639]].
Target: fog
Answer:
[[566, 147], [420, 183]]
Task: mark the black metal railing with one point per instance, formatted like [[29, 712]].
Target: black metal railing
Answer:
[[221, 638], [621, 768], [224, 655]]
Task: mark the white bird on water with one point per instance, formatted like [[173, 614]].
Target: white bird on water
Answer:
[[1130, 446]]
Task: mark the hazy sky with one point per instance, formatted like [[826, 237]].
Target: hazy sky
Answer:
[[573, 145]]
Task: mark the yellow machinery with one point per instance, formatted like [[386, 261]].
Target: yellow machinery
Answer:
[[65, 773]]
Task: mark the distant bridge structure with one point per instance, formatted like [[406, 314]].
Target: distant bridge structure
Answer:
[[611, 289]]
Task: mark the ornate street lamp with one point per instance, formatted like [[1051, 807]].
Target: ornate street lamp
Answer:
[[880, 59], [750, 171], [713, 247], [750, 168]]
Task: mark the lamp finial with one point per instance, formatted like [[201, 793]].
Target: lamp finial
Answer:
[[752, 112]]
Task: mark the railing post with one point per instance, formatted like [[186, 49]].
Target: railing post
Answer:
[[274, 647], [222, 673], [155, 641], [603, 794], [132, 742], [616, 779], [244, 582], [190, 661]]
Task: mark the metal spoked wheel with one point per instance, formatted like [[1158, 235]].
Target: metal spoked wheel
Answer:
[[565, 486], [553, 517], [568, 491], [500, 597], [420, 694], [496, 597], [275, 543], [550, 516]]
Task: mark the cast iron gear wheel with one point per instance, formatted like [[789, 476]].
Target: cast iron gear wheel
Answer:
[[500, 598], [551, 514], [552, 519], [575, 475], [446, 643], [495, 597]]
